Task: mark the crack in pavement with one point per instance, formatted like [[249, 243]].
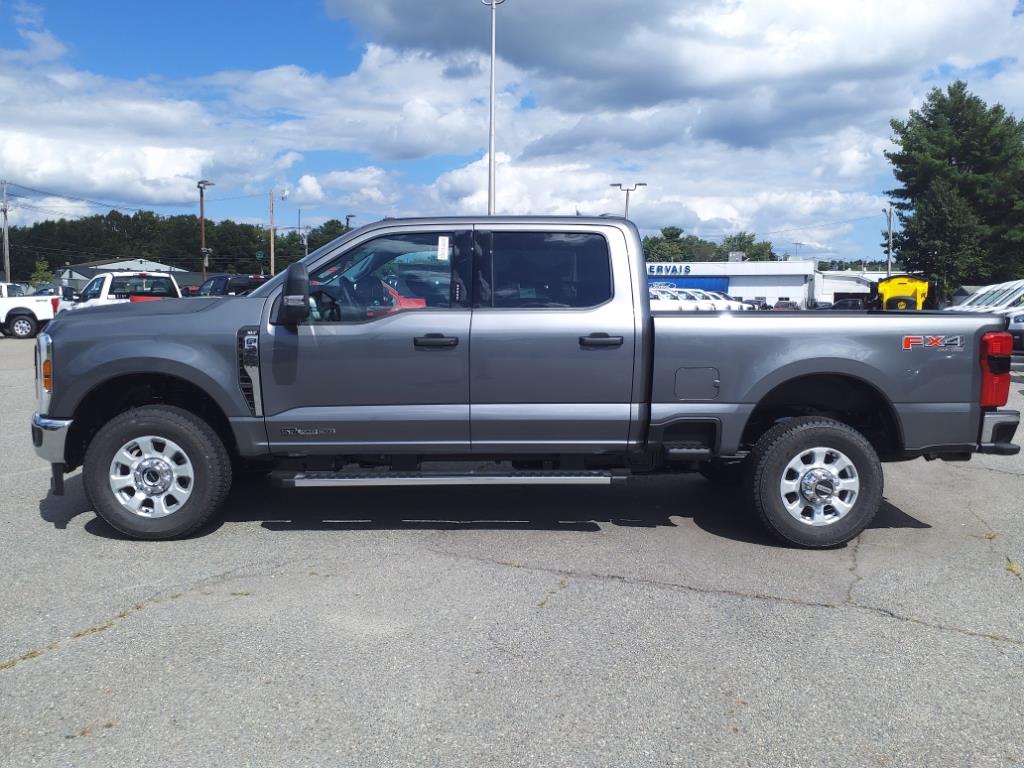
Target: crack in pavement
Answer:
[[739, 594], [854, 552], [157, 598], [990, 536]]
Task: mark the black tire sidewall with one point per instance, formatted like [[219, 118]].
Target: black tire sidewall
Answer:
[[773, 463], [206, 456]]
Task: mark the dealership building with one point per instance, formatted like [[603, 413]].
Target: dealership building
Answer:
[[768, 281]]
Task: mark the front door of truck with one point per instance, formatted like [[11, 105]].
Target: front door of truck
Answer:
[[382, 365], [553, 341]]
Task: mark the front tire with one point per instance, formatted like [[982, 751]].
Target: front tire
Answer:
[[156, 472], [22, 326], [814, 482]]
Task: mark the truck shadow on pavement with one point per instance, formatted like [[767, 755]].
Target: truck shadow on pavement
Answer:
[[648, 503]]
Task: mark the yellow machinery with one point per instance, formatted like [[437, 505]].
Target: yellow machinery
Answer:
[[902, 292]]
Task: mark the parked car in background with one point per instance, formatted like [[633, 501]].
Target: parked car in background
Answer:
[[22, 315], [821, 305], [1016, 329], [848, 304], [734, 305], [230, 285], [756, 304], [699, 303], [125, 287], [786, 306], [674, 300], [47, 290]]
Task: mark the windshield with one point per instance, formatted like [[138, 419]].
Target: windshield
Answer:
[[1005, 297], [981, 296], [995, 295]]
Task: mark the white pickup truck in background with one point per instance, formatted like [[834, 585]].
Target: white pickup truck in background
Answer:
[[124, 287], [23, 315]]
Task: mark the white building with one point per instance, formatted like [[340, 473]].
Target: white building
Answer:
[[767, 281]]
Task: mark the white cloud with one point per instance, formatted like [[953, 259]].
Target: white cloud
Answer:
[[739, 114]]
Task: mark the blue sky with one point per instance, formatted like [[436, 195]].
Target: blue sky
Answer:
[[763, 115]]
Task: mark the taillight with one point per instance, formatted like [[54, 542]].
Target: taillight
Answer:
[[48, 375], [996, 349], [55, 303]]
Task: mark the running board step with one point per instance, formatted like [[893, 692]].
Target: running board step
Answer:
[[339, 479]]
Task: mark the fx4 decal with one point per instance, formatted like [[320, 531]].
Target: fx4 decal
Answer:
[[945, 343]]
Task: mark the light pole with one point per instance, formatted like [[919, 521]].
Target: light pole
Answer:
[[490, 152], [888, 250], [627, 189], [348, 220], [202, 185]]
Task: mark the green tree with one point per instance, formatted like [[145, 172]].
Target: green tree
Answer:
[[42, 274], [326, 232], [943, 239], [747, 243], [957, 156]]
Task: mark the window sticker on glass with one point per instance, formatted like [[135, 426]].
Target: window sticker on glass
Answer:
[[442, 248]]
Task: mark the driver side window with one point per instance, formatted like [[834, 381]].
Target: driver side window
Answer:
[[385, 276]]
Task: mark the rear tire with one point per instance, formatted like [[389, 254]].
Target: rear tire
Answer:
[[814, 482], [156, 472], [22, 326]]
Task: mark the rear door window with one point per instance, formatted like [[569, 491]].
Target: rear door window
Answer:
[[543, 270]]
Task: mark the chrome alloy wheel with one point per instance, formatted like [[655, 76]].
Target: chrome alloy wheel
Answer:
[[21, 328], [151, 476], [819, 486]]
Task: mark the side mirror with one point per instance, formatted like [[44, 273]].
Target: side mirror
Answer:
[[67, 293], [295, 299]]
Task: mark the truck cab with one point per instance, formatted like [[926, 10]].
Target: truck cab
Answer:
[[124, 287]]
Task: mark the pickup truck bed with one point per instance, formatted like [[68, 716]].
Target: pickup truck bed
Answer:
[[526, 342]]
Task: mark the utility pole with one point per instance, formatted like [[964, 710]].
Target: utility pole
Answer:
[[273, 271], [348, 220], [202, 185], [304, 235], [490, 152], [627, 189], [888, 251], [7, 242], [796, 250], [273, 231]]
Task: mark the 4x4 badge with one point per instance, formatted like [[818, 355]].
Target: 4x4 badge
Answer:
[[947, 343]]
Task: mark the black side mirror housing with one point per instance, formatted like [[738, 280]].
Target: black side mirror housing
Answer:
[[67, 293], [295, 298]]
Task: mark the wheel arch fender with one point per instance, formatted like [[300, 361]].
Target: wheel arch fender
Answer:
[[850, 385]]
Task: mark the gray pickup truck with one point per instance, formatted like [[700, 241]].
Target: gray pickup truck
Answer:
[[505, 351]]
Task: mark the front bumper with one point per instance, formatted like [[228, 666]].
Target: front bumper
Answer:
[[49, 437], [997, 431]]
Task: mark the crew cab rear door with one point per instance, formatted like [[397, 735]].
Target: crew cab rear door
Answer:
[[382, 364], [553, 340]]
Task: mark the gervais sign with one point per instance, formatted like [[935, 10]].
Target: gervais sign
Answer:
[[668, 269]]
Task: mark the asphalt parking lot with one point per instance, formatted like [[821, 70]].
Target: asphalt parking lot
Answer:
[[644, 626]]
